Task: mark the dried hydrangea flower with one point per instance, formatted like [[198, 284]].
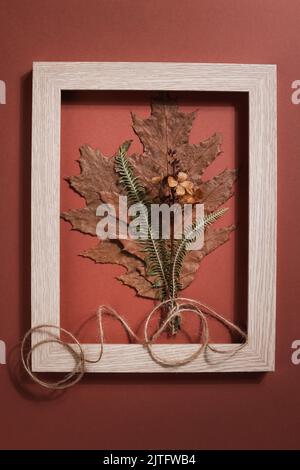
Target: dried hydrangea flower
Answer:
[[181, 184]]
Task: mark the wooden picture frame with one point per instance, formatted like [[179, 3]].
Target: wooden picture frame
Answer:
[[259, 81]]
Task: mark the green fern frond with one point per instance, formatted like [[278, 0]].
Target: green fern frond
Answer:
[[166, 271], [191, 232], [155, 249]]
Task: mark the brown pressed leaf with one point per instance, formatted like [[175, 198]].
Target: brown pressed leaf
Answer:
[[109, 197], [212, 240], [113, 199], [109, 252], [141, 285], [166, 152], [134, 248], [166, 129], [84, 220], [146, 169], [218, 190], [97, 174], [195, 158]]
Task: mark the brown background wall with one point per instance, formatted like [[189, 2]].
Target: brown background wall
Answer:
[[122, 411]]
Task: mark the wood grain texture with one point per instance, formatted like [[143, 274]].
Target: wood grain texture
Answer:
[[49, 78]]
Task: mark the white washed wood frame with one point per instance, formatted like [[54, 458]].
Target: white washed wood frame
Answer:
[[259, 81]]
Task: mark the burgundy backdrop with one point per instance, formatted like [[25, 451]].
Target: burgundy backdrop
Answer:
[[146, 411]]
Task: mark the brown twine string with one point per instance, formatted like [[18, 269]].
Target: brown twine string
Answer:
[[179, 306]]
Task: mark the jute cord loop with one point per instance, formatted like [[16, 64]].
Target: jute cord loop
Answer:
[[178, 307]]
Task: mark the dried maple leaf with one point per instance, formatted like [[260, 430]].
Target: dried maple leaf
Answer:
[[166, 128], [195, 158], [111, 252], [218, 190], [141, 285], [165, 139], [98, 183], [213, 239], [97, 174], [84, 220]]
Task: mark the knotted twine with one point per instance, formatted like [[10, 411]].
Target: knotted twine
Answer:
[[178, 307]]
